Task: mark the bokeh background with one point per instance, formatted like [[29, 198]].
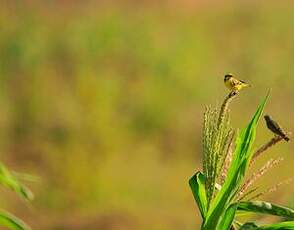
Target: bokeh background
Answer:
[[103, 101]]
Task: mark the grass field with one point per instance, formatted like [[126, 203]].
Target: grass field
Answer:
[[104, 103]]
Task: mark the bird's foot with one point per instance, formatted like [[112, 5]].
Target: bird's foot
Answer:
[[234, 93]]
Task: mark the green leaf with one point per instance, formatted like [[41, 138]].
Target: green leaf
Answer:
[[266, 208], [248, 226], [236, 173], [197, 184], [11, 222], [228, 218], [8, 180], [288, 225]]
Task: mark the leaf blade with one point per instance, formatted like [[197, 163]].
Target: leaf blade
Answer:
[[197, 185], [8, 180], [266, 208], [288, 225], [11, 222], [228, 217]]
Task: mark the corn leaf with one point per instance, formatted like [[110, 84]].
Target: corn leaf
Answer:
[[248, 226], [197, 184], [228, 218], [11, 222], [266, 208], [288, 225], [8, 180]]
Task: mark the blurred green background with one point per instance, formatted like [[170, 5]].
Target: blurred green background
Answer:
[[103, 101]]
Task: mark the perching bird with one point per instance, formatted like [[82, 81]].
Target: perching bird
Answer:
[[275, 128], [233, 83]]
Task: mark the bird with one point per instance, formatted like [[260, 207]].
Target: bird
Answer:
[[233, 83], [275, 128]]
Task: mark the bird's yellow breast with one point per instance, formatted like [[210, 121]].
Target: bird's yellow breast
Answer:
[[234, 84], [228, 84], [231, 85]]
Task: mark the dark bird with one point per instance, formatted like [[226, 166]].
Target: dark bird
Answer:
[[275, 128]]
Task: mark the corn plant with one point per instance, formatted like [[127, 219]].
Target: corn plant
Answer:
[[10, 180], [220, 190]]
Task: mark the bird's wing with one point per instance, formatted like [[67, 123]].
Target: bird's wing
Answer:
[[236, 82], [275, 127], [276, 124]]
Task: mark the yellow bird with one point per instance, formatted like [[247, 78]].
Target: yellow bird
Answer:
[[233, 83]]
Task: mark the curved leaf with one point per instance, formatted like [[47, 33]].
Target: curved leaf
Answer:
[[248, 226], [288, 225], [228, 218], [11, 222], [266, 208], [8, 180], [197, 184]]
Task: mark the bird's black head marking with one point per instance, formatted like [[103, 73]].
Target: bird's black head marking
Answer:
[[228, 76]]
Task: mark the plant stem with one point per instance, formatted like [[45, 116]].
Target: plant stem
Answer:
[[265, 147], [225, 106]]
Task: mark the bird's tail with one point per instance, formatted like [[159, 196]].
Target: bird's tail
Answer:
[[245, 84], [286, 138]]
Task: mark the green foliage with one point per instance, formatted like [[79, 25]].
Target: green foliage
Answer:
[[11, 222], [241, 159], [228, 217], [9, 180], [248, 226], [266, 208], [221, 213], [288, 225], [197, 184]]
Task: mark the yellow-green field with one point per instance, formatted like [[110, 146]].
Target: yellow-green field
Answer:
[[104, 103]]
